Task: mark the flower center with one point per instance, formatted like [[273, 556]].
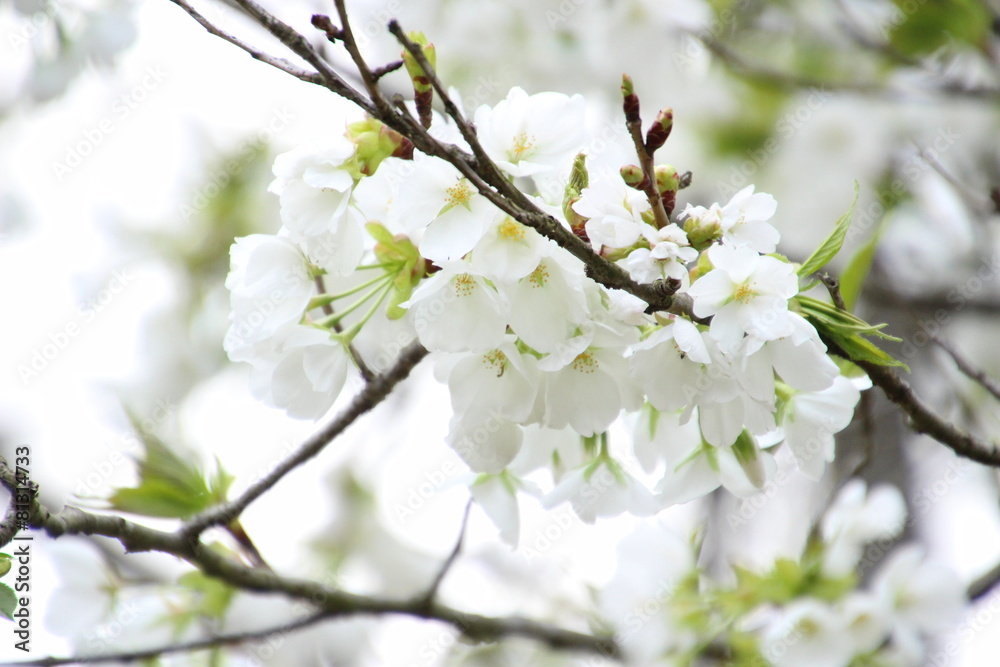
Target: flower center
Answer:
[[511, 230], [465, 284], [585, 363], [523, 145], [539, 277], [458, 194], [744, 293], [495, 361]]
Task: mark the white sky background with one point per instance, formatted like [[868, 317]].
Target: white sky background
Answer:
[[201, 96]]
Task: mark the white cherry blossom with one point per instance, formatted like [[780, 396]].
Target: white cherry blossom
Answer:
[[269, 286], [313, 185], [528, 134], [745, 293], [856, 518], [446, 207], [302, 373], [743, 221], [614, 211], [455, 310]]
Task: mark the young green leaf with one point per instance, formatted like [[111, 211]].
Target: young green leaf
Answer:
[[831, 246], [857, 269], [170, 486], [8, 601], [846, 330]]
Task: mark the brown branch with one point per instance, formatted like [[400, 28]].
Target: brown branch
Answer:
[[633, 123], [924, 420], [216, 641], [302, 48], [372, 394], [329, 602], [979, 588], [279, 63], [791, 80]]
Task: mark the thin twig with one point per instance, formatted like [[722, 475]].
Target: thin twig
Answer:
[[367, 76], [984, 584], [302, 48], [371, 395], [742, 67], [633, 123], [327, 309], [179, 647], [922, 418], [431, 593], [970, 371], [279, 63]]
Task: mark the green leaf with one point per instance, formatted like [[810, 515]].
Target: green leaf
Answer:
[[846, 330], [5, 563], [831, 246], [214, 596], [170, 485], [857, 270], [8, 601], [921, 28]]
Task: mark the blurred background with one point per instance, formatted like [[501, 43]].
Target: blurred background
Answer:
[[134, 147]]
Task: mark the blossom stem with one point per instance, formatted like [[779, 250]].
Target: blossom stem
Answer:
[[330, 321], [327, 299], [348, 335]]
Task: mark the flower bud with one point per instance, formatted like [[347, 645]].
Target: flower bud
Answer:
[[702, 231], [658, 132], [375, 142], [633, 176], [667, 183], [423, 90], [578, 180], [630, 101]]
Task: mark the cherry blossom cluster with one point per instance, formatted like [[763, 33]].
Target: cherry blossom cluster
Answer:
[[805, 611], [542, 361]]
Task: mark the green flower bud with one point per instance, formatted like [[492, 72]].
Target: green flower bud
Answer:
[[633, 176]]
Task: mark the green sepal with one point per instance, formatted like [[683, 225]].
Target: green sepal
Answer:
[[421, 82], [832, 244], [409, 267]]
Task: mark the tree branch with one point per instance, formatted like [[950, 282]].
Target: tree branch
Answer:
[[183, 647], [280, 63], [923, 419], [372, 394], [743, 67], [328, 601], [450, 560]]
